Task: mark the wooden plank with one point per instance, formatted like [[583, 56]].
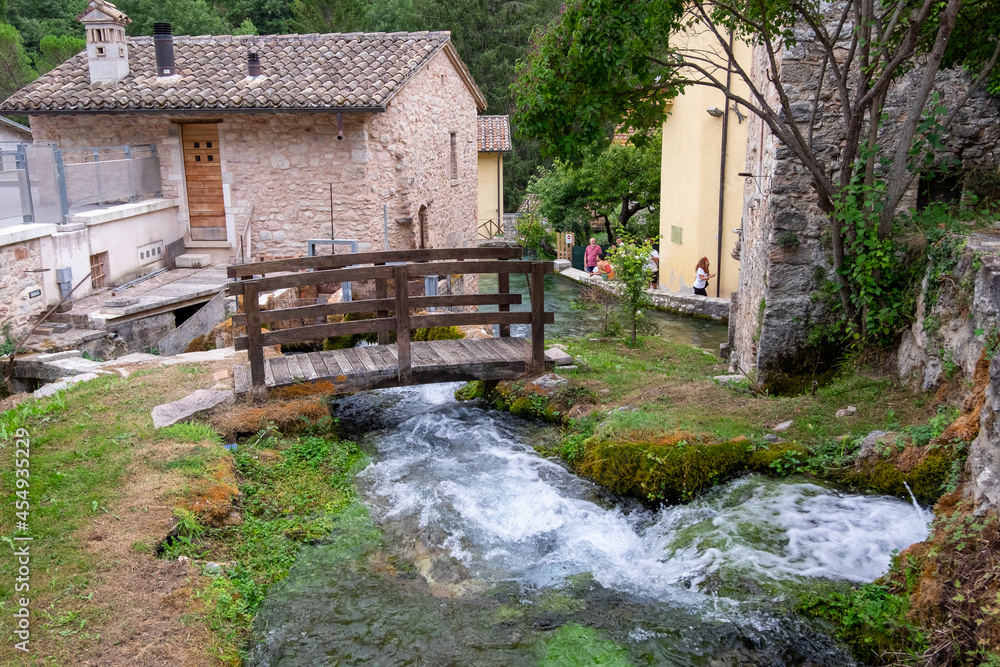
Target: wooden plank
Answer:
[[315, 278], [332, 360], [452, 354], [279, 371], [516, 348], [366, 359], [351, 355], [503, 288], [393, 351], [254, 347], [474, 266], [483, 352], [381, 365], [430, 356], [293, 368], [319, 332], [319, 366], [402, 318], [305, 363], [387, 359], [319, 310], [338, 261]]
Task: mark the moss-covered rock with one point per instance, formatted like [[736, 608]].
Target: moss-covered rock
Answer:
[[927, 479], [471, 391]]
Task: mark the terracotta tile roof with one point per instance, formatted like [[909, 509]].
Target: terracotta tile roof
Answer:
[[346, 71], [494, 134]]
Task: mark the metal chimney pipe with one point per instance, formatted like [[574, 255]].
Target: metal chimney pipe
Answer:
[[253, 65], [163, 45]]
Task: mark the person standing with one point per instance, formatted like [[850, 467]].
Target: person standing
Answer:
[[701, 276], [590, 256], [653, 264]]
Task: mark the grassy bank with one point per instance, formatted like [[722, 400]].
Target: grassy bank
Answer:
[[154, 547]]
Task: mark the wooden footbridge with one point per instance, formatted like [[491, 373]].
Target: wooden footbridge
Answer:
[[386, 364]]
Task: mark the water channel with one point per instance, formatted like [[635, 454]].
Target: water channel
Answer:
[[486, 553]]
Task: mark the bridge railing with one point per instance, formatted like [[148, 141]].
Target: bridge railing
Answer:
[[392, 313]]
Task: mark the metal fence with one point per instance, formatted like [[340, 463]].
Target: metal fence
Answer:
[[46, 184]]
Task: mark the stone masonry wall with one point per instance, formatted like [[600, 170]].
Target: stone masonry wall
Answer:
[[786, 278], [16, 283], [285, 166]]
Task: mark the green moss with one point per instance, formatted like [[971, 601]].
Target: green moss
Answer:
[[574, 645], [470, 391], [437, 333], [523, 407], [927, 480]]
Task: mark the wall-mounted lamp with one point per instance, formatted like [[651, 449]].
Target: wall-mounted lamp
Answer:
[[753, 178], [714, 112]]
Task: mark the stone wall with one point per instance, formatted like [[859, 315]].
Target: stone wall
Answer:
[[17, 282], [289, 166], [786, 254]]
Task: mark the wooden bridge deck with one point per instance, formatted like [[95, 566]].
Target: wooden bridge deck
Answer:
[[377, 366]]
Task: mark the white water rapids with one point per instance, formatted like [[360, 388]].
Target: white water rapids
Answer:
[[469, 480]]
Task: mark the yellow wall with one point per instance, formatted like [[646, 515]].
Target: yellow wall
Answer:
[[689, 180], [490, 190]]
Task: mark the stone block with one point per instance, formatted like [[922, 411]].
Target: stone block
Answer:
[[193, 261], [559, 357], [192, 405]]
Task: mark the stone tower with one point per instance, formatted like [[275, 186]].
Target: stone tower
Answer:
[[107, 50]]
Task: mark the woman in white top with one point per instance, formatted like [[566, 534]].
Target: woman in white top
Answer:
[[701, 276]]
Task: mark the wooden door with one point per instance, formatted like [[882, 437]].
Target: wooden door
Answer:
[[203, 176]]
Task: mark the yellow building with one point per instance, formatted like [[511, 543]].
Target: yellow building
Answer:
[[704, 149], [494, 141]]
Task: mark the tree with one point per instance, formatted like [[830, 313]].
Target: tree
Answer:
[[56, 49], [187, 17], [603, 64], [632, 272], [612, 185], [15, 66]]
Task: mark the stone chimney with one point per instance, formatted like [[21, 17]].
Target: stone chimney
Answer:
[[107, 50]]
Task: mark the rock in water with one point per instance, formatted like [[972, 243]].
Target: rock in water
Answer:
[[192, 405]]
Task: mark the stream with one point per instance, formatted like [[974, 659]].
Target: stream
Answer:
[[484, 553]]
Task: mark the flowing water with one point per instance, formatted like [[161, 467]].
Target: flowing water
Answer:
[[486, 553]]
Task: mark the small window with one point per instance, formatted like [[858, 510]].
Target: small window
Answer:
[[197, 158], [211, 158], [100, 51], [98, 269], [454, 156], [208, 144], [198, 144]]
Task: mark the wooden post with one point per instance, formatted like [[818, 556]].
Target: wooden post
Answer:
[[399, 276], [381, 292], [537, 297], [503, 287], [255, 350]]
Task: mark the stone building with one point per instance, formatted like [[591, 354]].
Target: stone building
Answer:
[[267, 142], [785, 256], [11, 131]]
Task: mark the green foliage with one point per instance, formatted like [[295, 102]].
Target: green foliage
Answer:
[[187, 17], [15, 65], [437, 333], [788, 240], [613, 184], [535, 237], [57, 48], [871, 620], [471, 391], [590, 72], [630, 262]]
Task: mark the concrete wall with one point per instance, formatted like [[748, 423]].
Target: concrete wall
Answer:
[[490, 189], [285, 167], [690, 181], [8, 133]]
